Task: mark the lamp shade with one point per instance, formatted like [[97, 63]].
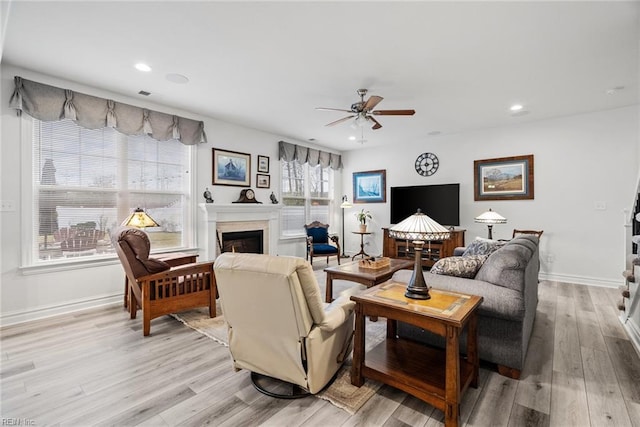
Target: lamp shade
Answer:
[[491, 217], [140, 219], [346, 205], [419, 227]]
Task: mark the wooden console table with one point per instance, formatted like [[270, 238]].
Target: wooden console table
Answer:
[[400, 248], [437, 377]]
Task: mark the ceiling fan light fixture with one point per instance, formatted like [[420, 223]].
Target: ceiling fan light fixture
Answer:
[[361, 120]]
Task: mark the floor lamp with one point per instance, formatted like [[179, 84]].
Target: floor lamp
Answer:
[[418, 228], [345, 205]]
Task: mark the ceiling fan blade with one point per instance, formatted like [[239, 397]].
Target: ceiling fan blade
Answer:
[[394, 112], [372, 102], [333, 109], [344, 119], [377, 124]]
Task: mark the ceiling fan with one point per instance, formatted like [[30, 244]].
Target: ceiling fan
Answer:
[[364, 112]]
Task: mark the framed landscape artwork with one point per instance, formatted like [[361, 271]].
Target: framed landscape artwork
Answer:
[[370, 186], [231, 168], [263, 181], [505, 178], [263, 164]]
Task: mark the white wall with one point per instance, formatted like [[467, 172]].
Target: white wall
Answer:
[[40, 294], [579, 160]]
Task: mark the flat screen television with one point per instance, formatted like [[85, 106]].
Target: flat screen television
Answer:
[[440, 202]]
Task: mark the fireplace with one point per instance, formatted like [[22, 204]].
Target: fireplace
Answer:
[[250, 241], [218, 219]]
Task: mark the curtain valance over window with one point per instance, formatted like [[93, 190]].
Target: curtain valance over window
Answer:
[[290, 152], [49, 103]]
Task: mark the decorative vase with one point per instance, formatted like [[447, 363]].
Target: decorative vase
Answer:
[[363, 228]]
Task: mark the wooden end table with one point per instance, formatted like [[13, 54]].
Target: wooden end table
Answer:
[[365, 276], [435, 376], [362, 252]]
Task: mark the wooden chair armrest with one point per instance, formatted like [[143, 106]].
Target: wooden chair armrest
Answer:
[[183, 270]]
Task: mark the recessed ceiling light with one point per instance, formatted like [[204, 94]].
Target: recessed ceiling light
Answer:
[[142, 67], [352, 138], [516, 107], [434, 133], [177, 78]]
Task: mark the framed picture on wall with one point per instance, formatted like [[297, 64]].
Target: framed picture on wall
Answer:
[[504, 178], [263, 181], [231, 168], [263, 164], [370, 186]]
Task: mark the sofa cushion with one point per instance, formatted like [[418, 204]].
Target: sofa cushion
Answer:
[[482, 246], [506, 266], [460, 266]]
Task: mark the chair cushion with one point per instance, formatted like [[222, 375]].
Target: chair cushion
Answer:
[[154, 265], [137, 252], [459, 266], [320, 235], [323, 249]]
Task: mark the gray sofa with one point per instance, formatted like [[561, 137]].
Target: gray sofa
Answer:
[[508, 281]]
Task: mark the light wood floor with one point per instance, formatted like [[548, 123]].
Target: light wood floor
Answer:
[[95, 368]]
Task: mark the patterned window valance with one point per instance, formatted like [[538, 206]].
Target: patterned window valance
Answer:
[[49, 103], [312, 156]]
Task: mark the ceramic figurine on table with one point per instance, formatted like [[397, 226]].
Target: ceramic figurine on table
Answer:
[[273, 198]]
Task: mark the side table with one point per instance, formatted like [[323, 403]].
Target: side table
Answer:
[[362, 252], [365, 276], [432, 375]]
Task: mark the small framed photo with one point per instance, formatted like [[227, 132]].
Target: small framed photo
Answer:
[[263, 181], [263, 164], [505, 178], [370, 186], [231, 168]]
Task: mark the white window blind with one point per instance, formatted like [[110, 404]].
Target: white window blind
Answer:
[[86, 182], [306, 196]]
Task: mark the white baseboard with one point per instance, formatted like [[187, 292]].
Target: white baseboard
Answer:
[[16, 317], [632, 331], [582, 280]]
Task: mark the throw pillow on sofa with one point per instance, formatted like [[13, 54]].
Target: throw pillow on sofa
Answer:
[[482, 246], [459, 266]]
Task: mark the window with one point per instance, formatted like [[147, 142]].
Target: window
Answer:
[[87, 181], [306, 194]]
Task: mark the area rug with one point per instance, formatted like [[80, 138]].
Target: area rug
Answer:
[[339, 392]]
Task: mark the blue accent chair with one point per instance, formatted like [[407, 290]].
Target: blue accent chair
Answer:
[[318, 242]]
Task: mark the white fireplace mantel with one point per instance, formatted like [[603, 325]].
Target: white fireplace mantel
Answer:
[[265, 217]]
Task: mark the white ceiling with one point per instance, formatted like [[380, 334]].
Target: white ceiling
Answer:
[[267, 65]]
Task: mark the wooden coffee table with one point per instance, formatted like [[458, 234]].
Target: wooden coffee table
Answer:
[[435, 376], [365, 276]]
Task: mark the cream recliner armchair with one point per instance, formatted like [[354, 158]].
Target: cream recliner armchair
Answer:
[[278, 325]]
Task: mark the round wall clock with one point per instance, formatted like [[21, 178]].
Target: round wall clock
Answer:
[[427, 164]]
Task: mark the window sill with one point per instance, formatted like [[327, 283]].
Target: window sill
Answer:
[[79, 263]]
